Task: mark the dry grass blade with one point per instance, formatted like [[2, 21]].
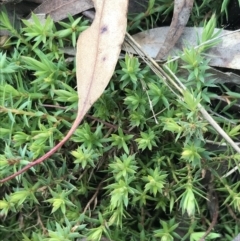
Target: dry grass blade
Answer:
[[175, 84]]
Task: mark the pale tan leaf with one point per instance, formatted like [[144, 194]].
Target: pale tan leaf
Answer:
[[97, 53], [98, 49]]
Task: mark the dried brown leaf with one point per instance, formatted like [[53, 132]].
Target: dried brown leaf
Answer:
[[182, 10], [98, 49], [60, 9]]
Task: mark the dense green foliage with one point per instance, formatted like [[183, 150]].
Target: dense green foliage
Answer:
[[138, 168]]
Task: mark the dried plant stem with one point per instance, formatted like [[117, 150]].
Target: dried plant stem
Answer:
[[174, 82], [94, 196]]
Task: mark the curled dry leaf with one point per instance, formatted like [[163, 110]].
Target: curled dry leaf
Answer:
[[182, 10], [98, 49]]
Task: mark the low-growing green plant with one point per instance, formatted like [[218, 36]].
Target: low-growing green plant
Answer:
[[137, 168]]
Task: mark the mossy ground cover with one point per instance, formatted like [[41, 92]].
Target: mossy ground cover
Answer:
[[138, 167]]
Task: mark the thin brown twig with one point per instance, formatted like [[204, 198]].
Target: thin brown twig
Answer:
[[214, 215], [231, 212], [213, 223], [39, 221], [93, 197]]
